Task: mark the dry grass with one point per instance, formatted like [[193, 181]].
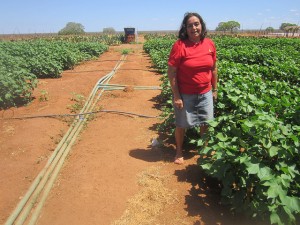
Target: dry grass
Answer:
[[150, 202]]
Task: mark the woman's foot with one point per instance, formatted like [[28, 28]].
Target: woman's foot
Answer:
[[179, 160]]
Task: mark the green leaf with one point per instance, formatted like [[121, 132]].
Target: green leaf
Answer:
[[206, 166], [220, 105], [249, 108], [275, 219], [285, 169], [265, 173], [248, 123], [284, 130], [243, 159], [296, 140], [234, 98], [286, 180], [222, 145], [221, 137], [253, 168], [213, 123], [266, 143], [252, 97], [192, 141], [273, 92], [276, 190], [205, 150], [292, 170], [200, 142], [284, 144], [293, 203], [289, 213], [273, 151], [170, 102], [273, 191]]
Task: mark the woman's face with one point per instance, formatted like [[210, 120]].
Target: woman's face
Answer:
[[194, 28]]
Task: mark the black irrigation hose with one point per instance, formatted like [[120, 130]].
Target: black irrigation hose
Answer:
[[91, 71], [81, 114]]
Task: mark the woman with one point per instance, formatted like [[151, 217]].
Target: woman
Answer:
[[192, 71]]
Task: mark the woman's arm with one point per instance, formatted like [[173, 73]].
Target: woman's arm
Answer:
[[174, 86], [214, 81]]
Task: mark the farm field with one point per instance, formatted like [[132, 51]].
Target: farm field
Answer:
[[113, 171], [101, 175]]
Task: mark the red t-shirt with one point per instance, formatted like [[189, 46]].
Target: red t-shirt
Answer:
[[194, 63]]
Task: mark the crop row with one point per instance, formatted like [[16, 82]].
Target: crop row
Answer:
[[22, 62], [107, 39], [253, 144]]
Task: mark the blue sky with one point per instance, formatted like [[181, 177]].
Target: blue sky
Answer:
[[41, 16]]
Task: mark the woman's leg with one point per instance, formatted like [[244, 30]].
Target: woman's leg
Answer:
[[179, 137], [203, 129]]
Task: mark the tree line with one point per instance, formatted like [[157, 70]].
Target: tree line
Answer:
[[233, 26], [230, 26]]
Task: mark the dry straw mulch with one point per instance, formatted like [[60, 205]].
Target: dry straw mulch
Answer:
[[150, 202]]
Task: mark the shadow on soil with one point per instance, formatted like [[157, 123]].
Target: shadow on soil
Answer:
[[204, 196], [148, 155], [204, 199]]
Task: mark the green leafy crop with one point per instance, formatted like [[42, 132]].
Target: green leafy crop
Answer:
[[253, 144], [23, 62]]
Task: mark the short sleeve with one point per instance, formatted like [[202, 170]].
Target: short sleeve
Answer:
[[175, 54], [214, 51]]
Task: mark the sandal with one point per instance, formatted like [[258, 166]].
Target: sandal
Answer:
[[179, 160]]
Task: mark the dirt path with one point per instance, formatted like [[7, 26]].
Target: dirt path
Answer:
[[100, 179]]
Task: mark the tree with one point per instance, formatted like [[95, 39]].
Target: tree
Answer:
[[228, 26], [284, 25], [269, 29], [72, 28], [289, 27], [233, 26], [295, 29], [221, 27], [109, 30]]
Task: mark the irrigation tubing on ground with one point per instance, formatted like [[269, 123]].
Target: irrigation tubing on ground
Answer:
[[105, 87], [122, 87], [41, 186], [80, 115], [25, 205]]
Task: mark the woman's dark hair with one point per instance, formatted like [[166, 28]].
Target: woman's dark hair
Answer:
[[183, 33]]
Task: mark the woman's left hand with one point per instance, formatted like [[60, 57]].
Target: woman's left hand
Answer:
[[215, 95]]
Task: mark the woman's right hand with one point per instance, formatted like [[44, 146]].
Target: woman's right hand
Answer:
[[178, 103]]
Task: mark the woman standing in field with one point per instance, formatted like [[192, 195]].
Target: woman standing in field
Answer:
[[192, 71]]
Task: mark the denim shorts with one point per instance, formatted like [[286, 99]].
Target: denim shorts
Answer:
[[197, 110]]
